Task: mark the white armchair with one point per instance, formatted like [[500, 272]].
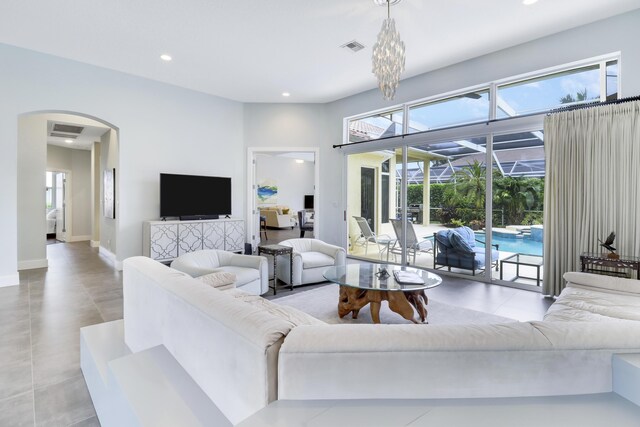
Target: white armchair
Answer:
[[252, 272], [311, 257]]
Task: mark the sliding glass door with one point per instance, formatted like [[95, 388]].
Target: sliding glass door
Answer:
[[518, 196]]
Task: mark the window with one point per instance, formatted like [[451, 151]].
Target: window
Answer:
[[466, 108], [594, 80], [547, 92], [612, 80], [377, 126]]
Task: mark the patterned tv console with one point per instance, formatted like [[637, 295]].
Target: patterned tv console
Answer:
[[167, 240]]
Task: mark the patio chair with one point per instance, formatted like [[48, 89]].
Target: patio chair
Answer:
[[383, 241], [457, 248], [413, 244]]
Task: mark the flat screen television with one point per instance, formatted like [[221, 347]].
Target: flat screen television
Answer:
[[308, 201], [194, 196]]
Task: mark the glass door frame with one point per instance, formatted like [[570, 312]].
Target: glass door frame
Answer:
[[487, 129]]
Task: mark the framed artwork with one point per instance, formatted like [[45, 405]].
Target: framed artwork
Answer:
[[109, 202], [267, 192]]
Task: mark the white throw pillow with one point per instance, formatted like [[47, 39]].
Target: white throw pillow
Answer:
[[220, 280]]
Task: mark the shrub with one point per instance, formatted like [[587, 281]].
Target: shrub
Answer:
[[414, 194]]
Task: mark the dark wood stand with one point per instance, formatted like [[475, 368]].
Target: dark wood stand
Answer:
[[591, 261], [275, 251]]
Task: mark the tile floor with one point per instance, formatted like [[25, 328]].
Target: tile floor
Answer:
[[40, 377], [40, 323]]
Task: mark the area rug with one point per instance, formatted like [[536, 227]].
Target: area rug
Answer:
[[322, 303]]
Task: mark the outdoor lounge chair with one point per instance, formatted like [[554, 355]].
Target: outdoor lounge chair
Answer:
[[413, 244], [383, 241], [457, 248]]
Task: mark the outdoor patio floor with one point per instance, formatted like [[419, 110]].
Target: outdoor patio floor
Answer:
[[425, 260]]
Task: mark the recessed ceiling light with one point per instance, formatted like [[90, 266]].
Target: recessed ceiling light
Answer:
[[299, 161], [529, 2], [285, 94], [69, 141], [166, 57]]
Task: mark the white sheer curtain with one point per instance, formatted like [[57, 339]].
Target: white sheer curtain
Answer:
[[592, 186]]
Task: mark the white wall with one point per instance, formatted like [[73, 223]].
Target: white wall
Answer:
[[31, 184], [294, 180], [96, 180], [162, 128], [78, 162]]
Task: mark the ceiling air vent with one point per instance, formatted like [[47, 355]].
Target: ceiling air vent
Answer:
[[353, 45], [63, 135], [57, 127]]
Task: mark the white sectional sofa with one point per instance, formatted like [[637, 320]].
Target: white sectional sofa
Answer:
[[245, 352]]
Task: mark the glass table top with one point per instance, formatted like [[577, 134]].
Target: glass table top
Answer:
[[363, 276]]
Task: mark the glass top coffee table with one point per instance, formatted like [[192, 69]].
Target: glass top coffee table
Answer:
[[362, 284]]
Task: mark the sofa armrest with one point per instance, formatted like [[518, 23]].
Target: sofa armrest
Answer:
[[247, 261], [610, 283], [335, 252], [192, 270]]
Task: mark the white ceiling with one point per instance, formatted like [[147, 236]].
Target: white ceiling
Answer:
[[253, 50], [92, 131]]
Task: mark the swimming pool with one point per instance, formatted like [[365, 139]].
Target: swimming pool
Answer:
[[522, 245]]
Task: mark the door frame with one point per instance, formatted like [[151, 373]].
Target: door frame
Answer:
[[374, 210], [251, 210], [67, 202]]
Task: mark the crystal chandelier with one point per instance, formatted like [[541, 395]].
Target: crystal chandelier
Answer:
[[388, 54]]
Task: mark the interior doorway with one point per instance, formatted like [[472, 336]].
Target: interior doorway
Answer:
[[53, 149], [368, 196], [57, 205], [281, 180]]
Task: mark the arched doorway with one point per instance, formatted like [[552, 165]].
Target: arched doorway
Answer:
[[82, 147]]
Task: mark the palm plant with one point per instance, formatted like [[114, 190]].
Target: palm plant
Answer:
[[471, 181], [515, 195]]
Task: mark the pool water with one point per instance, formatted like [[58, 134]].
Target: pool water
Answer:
[[523, 245]]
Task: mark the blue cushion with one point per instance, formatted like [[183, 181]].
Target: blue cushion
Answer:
[[468, 235], [459, 243], [442, 237], [480, 251], [461, 260]]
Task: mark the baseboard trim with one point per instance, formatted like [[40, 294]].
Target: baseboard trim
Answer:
[[79, 238], [33, 263], [10, 280], [111, 256], [94, 243]]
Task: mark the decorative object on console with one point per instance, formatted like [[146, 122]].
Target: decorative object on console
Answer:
[[608, 245], [388, 54]]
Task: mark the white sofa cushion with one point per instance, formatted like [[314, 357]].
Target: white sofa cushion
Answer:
[[584, 304], [316, 259], [292, 315], [220, 280], [243, 275]]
